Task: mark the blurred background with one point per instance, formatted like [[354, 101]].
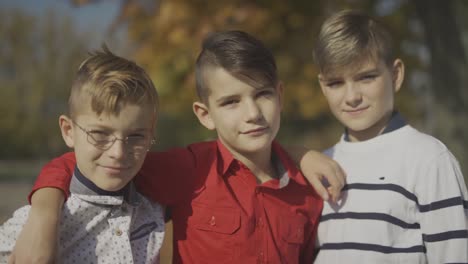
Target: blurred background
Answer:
[[43, 42]]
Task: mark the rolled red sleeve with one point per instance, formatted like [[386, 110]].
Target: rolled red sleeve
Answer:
[[57, 174], [167, 177]]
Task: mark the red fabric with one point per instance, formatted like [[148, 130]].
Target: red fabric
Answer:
[[220, 214]]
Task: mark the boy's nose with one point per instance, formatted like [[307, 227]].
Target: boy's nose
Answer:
[[118, 149], [252, 111], [353, 95]]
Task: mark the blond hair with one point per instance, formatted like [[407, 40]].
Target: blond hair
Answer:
[[350, 37], [108, 82]]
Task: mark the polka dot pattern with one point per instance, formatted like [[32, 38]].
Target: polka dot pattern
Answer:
[[99, 229]]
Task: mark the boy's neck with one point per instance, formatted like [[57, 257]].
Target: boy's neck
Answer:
[[388, 124], [92, 187], [260, 164]]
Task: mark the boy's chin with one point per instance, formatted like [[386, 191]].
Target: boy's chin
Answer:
[[257, 147], [112, 185]]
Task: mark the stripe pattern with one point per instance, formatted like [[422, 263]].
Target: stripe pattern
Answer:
[[446, 203], [405, 202]]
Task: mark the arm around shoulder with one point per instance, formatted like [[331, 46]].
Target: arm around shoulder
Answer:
[[37, 242], [317, 169]]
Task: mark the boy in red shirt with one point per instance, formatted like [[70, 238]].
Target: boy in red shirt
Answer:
[[239, 199]]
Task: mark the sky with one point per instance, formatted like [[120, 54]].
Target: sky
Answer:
[[95, 17]]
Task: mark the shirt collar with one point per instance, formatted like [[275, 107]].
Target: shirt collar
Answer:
[[225, 157], [283, 164], [287, 166], [84, 187], [396, 121]]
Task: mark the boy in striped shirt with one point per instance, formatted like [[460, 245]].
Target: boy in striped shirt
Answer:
[[405, 199]]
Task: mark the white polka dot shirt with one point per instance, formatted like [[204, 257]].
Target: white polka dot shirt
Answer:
[[99, 226]]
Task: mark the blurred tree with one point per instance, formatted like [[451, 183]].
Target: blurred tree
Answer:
[[165, 38], [448, 69], [38, 59]]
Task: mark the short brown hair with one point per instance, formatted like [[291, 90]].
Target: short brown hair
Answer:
[[109, 81], [349, 36], [239, 53]]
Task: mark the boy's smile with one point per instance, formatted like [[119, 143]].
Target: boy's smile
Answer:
[[246, 118], [362, 99]]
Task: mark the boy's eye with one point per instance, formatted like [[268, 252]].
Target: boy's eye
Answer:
[[136, 139], [136, 136], [100, 136], [334, 84], [265, 93], [368, 77], [229, 102]]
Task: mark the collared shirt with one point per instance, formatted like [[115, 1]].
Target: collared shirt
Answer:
[[220, 213], [99, 226]]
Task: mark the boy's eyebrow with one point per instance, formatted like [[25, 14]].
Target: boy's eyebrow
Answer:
[[329, 78], [373, 70], [226, 97], [104, 127]]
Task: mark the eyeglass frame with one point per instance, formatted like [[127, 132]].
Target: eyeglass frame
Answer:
[[115, 138]]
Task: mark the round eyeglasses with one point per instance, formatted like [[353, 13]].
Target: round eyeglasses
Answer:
[[104, 141]]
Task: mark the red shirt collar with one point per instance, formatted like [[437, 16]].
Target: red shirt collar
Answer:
[[225, 157], [225, 160]]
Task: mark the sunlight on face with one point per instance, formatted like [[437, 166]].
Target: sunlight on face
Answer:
[[111, 169]]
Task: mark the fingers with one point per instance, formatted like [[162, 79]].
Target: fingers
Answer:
[[341, 174], [319, 187], [335, 185], [324, 174], [336, 178]]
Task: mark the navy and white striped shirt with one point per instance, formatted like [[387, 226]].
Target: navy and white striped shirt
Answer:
[[405, 202]]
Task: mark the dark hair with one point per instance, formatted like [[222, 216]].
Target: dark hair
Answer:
[[240, 54]]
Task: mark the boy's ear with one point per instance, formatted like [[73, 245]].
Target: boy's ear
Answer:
[[398, 74], [280, 89], [320, 80], [66, 127], [203, 115]]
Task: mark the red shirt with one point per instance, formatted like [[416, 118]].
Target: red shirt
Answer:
[[220, 214]]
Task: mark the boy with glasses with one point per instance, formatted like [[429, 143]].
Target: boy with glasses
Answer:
[[112, 113]]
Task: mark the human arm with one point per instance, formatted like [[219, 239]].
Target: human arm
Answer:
[[9, 232], [443, 210], [37, 241], [322, 172]]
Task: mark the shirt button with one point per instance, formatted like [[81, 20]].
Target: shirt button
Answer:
[[260, 257], [213, 221], [299, 232], [118, 232]]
